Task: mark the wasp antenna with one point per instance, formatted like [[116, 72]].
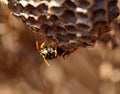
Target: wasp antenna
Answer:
[[37, 45], [42, 45], [46, 62]]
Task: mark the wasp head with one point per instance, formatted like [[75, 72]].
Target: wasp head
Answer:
[[48, 52]]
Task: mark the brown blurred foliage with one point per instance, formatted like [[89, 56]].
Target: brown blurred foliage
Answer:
[[86, 71]]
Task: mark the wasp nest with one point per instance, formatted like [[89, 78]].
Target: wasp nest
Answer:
[[67, 24]]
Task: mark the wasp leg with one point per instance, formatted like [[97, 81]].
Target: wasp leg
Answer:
[[42, 45], [46, 62], [37, 45], [65, 54]]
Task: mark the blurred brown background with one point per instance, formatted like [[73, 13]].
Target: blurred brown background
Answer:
[[86, 71]]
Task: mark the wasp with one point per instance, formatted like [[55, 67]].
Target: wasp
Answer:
[[50, 52]]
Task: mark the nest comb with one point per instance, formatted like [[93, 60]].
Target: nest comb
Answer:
[[67, 24]]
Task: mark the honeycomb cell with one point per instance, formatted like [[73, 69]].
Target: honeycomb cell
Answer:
[[85, 4], [68, 17], [71, 29], [69, 5]]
